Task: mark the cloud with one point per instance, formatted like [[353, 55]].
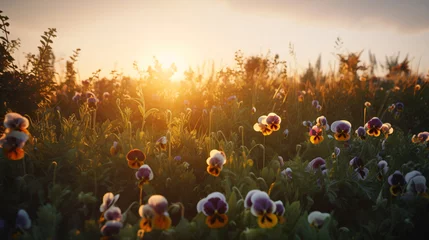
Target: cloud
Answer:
[[408, 16]]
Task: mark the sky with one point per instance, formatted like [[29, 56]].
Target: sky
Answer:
[[113, 34]]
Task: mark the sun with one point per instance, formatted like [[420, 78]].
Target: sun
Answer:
[[168, 59]]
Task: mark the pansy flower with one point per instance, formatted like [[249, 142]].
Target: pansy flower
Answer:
[[316, 164], [399, 106], [322, 122], [416, 182], [113, 214], [144, 174], [420, 138], [253, 111], [341, 130], [336, 152], [262, 126], [77, 96], [362, 173], [111, 228], [264, 209], [391, 108], [387, 129], [383, 167], [358, 165], [317, 219], [287, 173], [397, 183], [316, 135], [319, 108], [314, 103], [92, 102], [13, 143], [160, 219], [417, 87], [23, 221], [367, 104], [286, 133], [115, 148], [248, 199], [109, 200], [373, 127], [273, 121], [356, 162], [147, 214], [162, 143], [360, 132], [214, 207], [135, 158], [280, 211], [215, 162], [16, 122]]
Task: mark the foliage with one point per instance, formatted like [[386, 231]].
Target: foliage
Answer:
[[74, 167]]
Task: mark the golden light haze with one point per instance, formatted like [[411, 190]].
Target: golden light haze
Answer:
[[114, 34]]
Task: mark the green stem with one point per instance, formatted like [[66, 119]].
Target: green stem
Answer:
[[263, 159]]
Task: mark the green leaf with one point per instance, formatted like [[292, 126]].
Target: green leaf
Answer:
[[232, 205]]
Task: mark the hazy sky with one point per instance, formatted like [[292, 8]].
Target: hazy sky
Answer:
[[113, 33]]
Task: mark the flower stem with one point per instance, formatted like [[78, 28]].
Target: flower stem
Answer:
[[364, 116], [141, 195], [55, 172]]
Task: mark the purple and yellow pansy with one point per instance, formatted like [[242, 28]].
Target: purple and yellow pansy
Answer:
[[144, 174], [280, 211], [373, 127], [341, 130], [316, 219], [262, 207], [383, 167], [361, 133], [322, 122], [162, 143], [397, 183], [214, 207], [316, 164], [422, 137], [215, 162], [316, 135], [262, 126], [154, 214], [387, 129]]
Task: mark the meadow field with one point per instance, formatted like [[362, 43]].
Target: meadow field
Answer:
[[252, 151]]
